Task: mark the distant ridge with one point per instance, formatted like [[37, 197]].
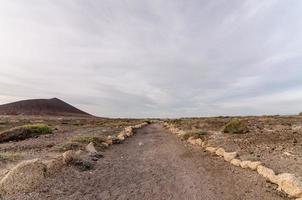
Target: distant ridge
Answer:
[[52, 106]]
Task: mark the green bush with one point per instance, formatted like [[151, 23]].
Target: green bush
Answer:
[[24, 132], [37, 129], [235, 126], [300, 113]]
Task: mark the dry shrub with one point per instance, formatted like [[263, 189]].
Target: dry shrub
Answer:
[[195, 134], [235, 126]]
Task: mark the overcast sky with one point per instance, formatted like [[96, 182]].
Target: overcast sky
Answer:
[[156, 58]]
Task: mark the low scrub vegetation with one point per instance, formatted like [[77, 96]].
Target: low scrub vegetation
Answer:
[[86, 139], [83, 165], [195, 134], [68, 146], [235, 126], [80, 141], [24, 132], [5, 156], [37, 129]]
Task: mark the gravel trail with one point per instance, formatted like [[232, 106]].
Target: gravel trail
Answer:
[[154, 164]]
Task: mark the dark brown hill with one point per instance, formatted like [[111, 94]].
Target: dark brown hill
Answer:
[[53, 106]]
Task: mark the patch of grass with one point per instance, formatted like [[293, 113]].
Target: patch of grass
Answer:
[[5, 156], [24, 132], [235, 126], [195, 134], [37, 129]]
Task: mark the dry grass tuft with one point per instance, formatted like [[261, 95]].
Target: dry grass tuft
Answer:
[[5, 156], [195, 134], [235, 126]]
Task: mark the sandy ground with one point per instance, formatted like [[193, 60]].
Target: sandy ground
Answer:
[[154, 164]]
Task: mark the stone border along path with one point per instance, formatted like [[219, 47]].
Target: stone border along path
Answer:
[[27, 175], [286, 182]]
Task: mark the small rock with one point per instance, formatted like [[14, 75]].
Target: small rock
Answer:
[[220, 152], [199, 142], [228, 156], [211, 149], [254, 165], [236, 162], [245, 164], [267, 173], [191, 140], [290, 184], [128, 131], [90, 148], [121, 137]]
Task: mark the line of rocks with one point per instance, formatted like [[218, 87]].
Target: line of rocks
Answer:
[[28, 175], [286, 182]]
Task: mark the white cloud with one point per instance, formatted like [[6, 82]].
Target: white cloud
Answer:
[[153, 58]]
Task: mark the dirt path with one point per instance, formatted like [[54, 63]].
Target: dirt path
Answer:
[[156, 165]]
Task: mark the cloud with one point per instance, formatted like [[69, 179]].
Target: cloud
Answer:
[[154, 58]]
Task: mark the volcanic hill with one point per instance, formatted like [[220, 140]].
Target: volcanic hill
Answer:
[[54, 106]]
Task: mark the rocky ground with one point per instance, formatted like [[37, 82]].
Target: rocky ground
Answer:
[[154, 164], [50, 145], [274, 140]]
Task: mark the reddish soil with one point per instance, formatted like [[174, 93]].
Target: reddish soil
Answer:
[[53, 106], [154, 164]]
